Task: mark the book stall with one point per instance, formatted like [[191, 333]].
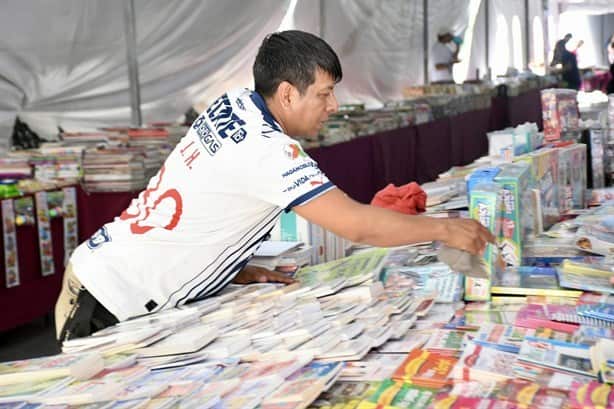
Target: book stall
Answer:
[[50, 204], [528, 325], [109, 166]]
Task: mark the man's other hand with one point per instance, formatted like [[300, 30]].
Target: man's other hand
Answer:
[[251, 274], [467, 234]]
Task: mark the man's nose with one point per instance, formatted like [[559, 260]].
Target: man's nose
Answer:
[[333, 105]]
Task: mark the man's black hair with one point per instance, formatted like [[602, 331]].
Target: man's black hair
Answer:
[[293, 56]]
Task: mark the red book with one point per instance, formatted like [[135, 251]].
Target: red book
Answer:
[[425, 368]]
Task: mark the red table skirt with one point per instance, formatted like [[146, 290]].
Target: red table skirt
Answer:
[[359, 167]]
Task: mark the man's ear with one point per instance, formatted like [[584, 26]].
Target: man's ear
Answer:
[[285, 94]]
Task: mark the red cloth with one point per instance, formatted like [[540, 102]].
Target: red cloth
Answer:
[[408, 199]]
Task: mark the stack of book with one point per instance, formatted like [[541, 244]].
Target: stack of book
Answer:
[[365, 331], [93, 139], [114, 169], [15, 168]]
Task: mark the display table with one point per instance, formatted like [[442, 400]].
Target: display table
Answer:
[[526, 107], [96, 209], [596, 82], [359, 167], [36, 294]]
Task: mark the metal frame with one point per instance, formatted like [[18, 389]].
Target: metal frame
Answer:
[[425, 39], [133, 65]]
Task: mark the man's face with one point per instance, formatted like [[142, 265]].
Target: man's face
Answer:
[[445, 38], [310, 110]]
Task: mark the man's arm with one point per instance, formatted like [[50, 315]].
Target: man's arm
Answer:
[[361, 223]]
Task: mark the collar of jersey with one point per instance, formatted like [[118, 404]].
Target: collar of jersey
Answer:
[[266, 114]]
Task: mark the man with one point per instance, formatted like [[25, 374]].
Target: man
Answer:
[[570, 73], [443, 57], [220, 192], [559, 50]]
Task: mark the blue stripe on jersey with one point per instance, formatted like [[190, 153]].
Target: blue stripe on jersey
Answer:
[[310, 195], [266, 114], [235, 268], [220, 277], [258, 227]]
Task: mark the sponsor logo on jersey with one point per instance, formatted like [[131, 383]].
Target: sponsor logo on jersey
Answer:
[[99, 238], [293, 151], [239, 135], [208, 139], [226, 122], [314, 179], [306, 165]]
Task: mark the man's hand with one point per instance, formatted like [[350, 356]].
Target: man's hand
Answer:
[[467, 234], [251, 274]]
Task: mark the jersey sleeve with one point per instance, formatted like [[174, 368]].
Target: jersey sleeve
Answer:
[[285, 175]]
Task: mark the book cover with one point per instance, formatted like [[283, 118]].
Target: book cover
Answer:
[[447, 401], [591, 395], [353, 269], [571, 358], [400, 395], [25, 391], [188, 340], [479, 363], [81, 392], [535, 316], [78, 366], [584, 276], [506, 338], [445, 341], [529, 394], [525, 280], [425, 368], [300, 390]]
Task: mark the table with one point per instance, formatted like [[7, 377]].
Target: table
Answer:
[[359, 167]]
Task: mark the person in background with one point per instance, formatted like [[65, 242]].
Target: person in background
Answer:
[[559, 49], [610, 48], [221, 191], [610, 86], [570, 71], [444, 55]]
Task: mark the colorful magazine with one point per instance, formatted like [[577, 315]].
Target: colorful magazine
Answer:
[[584, 276], [79, 366], [479, 363], [424, 368], [566, 357], [530, 281]]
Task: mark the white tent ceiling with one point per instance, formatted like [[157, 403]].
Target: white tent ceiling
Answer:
[[63, 62]]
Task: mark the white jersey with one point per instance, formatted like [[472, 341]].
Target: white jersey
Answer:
[[441, 54], [203, 215]]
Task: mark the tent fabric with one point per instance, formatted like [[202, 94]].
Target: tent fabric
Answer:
[[71, 69], [63, 62]]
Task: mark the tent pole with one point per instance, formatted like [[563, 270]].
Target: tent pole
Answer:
[[425, 39], [133, 66], [545, 30], [322, 16], [487, 38], [527, 32]]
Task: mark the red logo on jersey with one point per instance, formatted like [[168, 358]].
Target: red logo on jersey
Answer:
[[146, 203], [293, 151]]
